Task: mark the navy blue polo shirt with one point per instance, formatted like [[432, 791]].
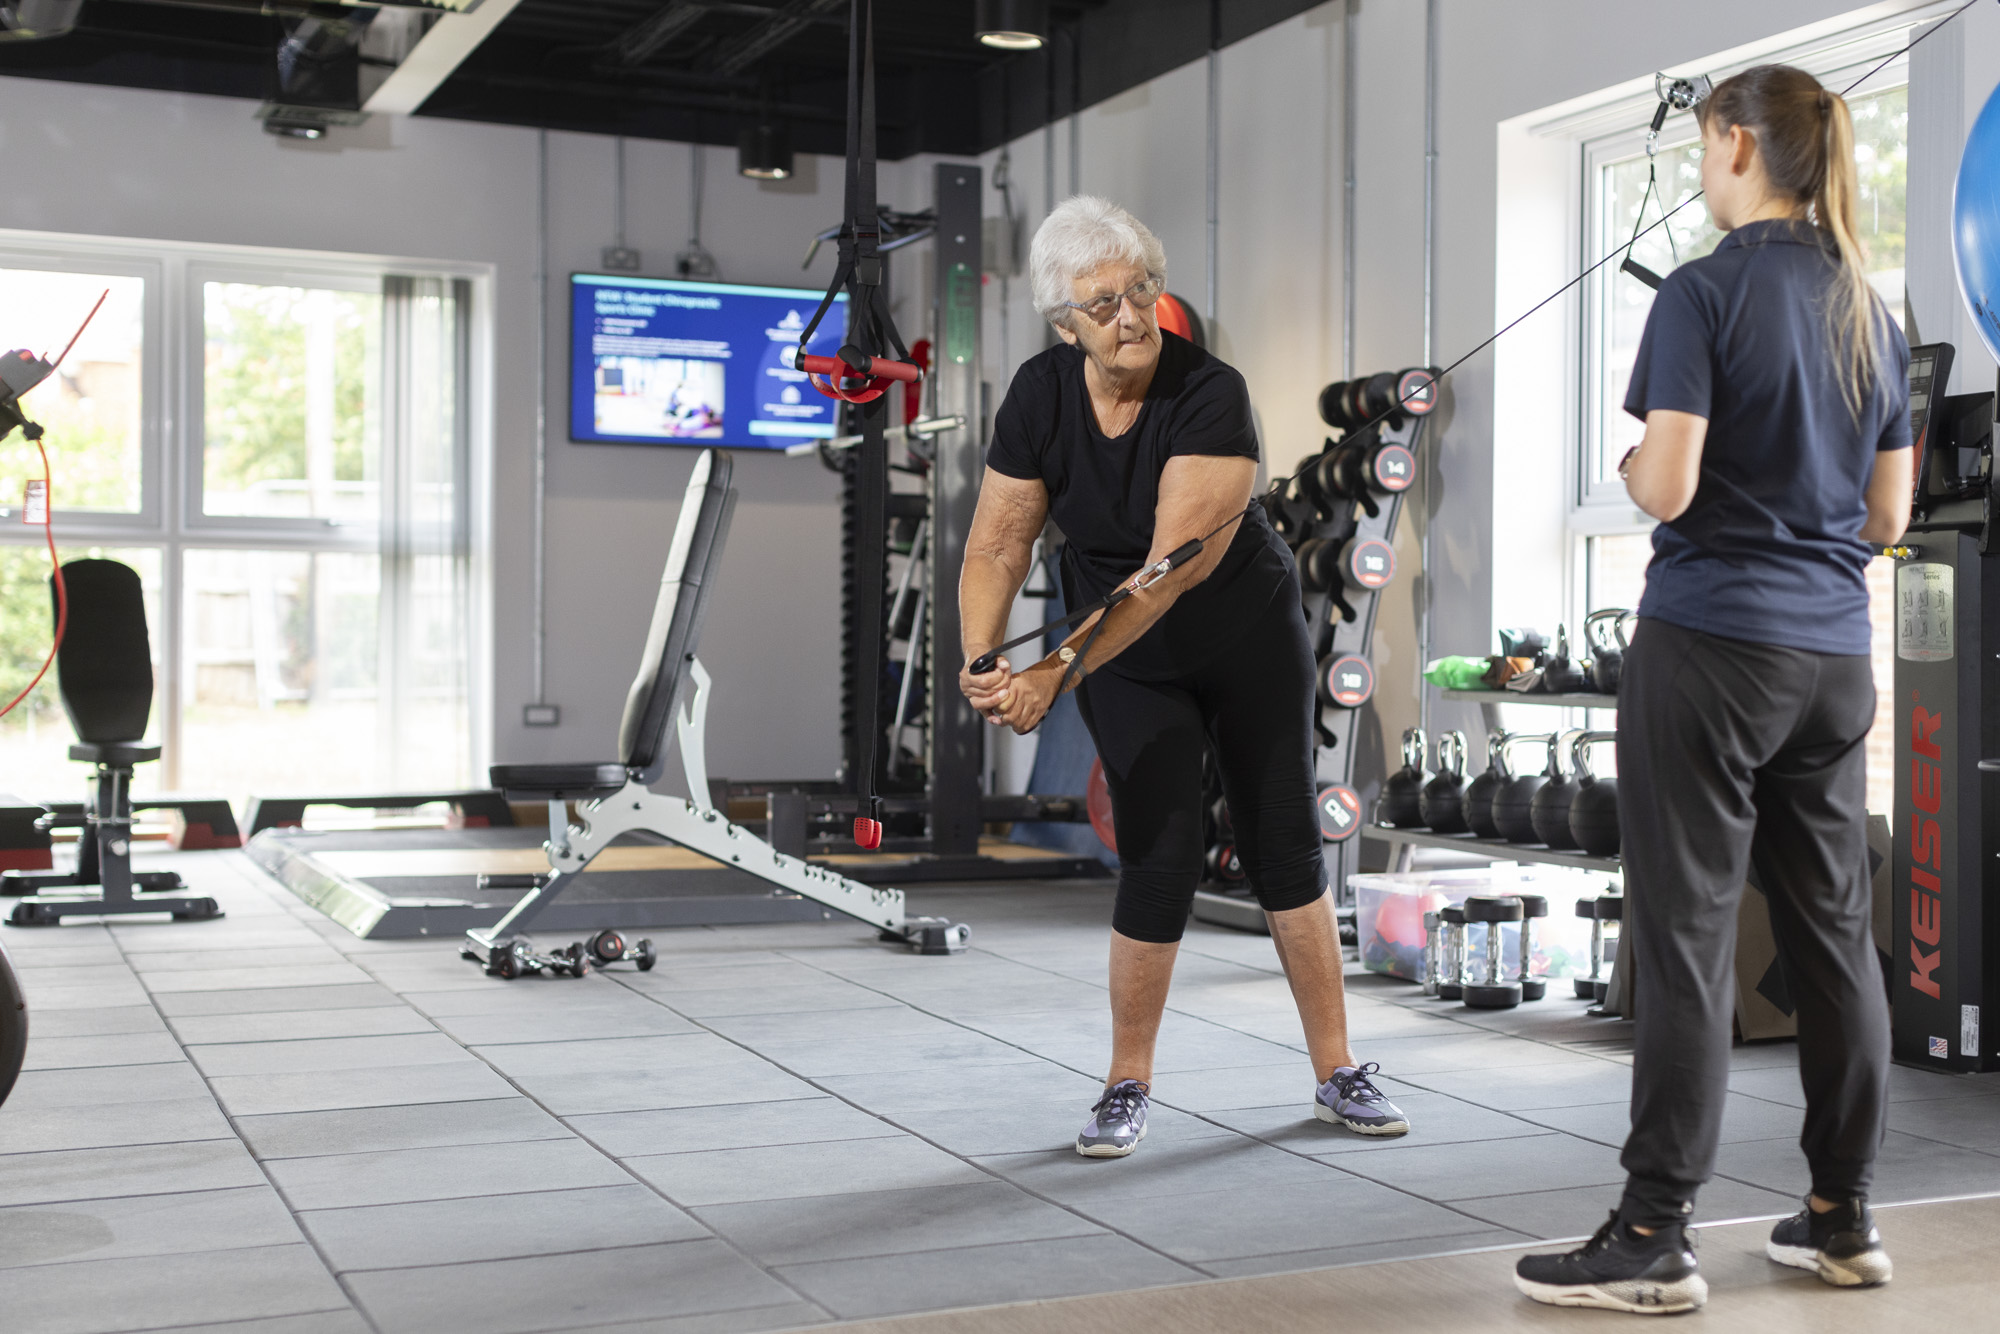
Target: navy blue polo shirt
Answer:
[[1770, 549]]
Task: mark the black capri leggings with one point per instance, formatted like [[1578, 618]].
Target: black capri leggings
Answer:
[[1253, 705]]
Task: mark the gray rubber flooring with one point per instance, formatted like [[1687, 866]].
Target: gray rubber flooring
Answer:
[[263, 1125]]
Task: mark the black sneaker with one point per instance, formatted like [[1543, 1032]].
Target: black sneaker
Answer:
[[1619, 1270], [1840, 1245]]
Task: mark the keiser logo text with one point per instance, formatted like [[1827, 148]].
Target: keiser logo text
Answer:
[[1926, 850]]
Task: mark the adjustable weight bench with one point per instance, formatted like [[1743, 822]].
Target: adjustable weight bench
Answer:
[[614, 796]]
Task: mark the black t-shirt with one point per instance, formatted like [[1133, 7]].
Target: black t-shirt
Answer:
[[1103, 492], [1770, 549]]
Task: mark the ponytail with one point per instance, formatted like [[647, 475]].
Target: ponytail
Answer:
[[1805, 136]]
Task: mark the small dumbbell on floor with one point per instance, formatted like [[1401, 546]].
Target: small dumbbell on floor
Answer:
[[1450, 954], [1491, 991], [1598, 911], [1532, 906]]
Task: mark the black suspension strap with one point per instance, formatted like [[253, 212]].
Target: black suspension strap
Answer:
[[872, 356]]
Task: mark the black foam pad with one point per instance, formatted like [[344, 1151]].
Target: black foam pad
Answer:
[[105, 666]]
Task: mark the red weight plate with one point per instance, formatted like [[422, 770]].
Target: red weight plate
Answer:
[[1369, 564], [1097, 800], [1339, 813], [1350, 680], [1176, 316], [1231, 868], [1416, 390], [1392, 469]]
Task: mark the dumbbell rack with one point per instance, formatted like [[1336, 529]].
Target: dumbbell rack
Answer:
[[1340, 614]]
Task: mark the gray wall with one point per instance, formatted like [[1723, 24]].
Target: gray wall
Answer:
[[114, 162]]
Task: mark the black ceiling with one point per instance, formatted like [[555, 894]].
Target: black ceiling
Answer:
[[697, 70]]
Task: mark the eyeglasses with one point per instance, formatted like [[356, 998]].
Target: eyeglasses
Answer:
[[1104, 309]]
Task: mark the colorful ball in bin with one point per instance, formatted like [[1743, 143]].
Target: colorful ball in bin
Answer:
[[1396, 938]]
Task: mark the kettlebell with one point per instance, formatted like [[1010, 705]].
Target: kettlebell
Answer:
[[1442, 802], [1549, 811], [1477, 804], [1593, 811], [1401, 802], [1607, 649], [1512, 814], [1560, 675]]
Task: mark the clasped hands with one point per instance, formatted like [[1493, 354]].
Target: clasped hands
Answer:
[[1019, 700]]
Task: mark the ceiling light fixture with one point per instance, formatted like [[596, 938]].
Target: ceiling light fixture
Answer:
[[764, 151], [1011, 25]]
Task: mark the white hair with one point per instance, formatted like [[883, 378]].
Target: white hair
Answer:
[[1082, 233]]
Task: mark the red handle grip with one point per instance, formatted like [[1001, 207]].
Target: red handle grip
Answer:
[[881, 367]]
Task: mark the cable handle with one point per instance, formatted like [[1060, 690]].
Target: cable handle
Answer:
[[1144, 579]]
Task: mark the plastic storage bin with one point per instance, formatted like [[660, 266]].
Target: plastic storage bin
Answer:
[[1389, 910]]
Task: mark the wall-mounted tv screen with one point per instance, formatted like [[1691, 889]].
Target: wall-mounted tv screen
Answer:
[[654, 361]]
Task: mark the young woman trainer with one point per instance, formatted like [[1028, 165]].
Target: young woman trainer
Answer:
[[1774, 388]]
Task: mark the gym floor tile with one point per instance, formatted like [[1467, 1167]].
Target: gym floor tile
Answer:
[[788, 1171], [135, 1169], [827, 994], [565, 1291], [325, 1054], [48, 997], [525, 997], [637, 1019], [971, 1090], [1084, 1042], [1029, 1127], [982, 1275], [258, 1000], [666, 980], [295, 1025], [252, 977], [1906, 1168], [97, 1086], [416, 1126], [1286, 1262], [1217, 1162], [1743, 1118], [889, 1222], [151, 1292], [889, 1021], [1449, 1172], [1434, 1119], [34, 974], [1217, 1225], [348, 1321], [25, 1129], [1015, 998], [299, 950], [1781, 1084], [147, 950], [891, 1055], [325, 1090], [748, 1320], [1246, 1086], [639, 1090], [48, 1052], [681, 1051], [1969, 1123], [1581, 1210], [397, 1176], [748, 1125], [1463, 1050], [118, 1228], [436, 1232], [105, 1021], [1519, 1090]]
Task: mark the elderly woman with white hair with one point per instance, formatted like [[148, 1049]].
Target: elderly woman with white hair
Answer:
[[1134, 441]]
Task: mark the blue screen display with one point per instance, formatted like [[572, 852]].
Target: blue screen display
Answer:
[[654, 361]]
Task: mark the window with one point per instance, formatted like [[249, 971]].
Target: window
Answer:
[[305, 548], [1614, 544]]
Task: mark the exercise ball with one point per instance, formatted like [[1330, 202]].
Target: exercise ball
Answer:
[[1975, 224]]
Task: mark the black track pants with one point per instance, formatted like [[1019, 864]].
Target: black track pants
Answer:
[[1253, 705], [1733, 755]]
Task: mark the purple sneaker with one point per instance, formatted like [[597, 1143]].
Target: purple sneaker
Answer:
[[1351, 1099], [1117, 1121]]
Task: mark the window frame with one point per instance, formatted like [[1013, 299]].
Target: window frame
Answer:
[[172, 441]]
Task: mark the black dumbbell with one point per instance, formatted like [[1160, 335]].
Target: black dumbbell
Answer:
[[1491, 990], [1451, 953], [1224, 865], [1532, 906], [1319, 564], [1346, 680], [1367, 564], [1605, 908]]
